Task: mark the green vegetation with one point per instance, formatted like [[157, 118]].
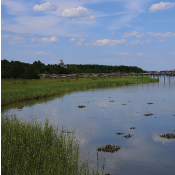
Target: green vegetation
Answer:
[[16, 90], [16, 69], [32, 149]]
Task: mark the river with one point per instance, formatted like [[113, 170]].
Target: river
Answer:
[[109, 111]]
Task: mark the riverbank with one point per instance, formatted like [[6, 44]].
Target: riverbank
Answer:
[[16, 90]]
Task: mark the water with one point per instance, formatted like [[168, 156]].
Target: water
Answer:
[[97, 124]]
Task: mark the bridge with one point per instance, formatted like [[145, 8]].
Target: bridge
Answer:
[[84, 75]]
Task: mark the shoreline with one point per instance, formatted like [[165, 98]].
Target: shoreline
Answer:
[[17, 90]]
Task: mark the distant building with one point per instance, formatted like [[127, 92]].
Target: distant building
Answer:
[[62, 64]]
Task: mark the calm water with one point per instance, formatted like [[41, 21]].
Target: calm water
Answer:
[[97, 124]]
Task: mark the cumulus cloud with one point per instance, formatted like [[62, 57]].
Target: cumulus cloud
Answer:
[[45, 40], [140, 42], [72, 40], [79, 41], [104, 42], [161, 6], [140, 35], [45, 7], [79, 12], [164, 35], [13, 39], [134, 33]]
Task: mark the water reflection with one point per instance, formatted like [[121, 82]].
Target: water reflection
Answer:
[[97, 124]]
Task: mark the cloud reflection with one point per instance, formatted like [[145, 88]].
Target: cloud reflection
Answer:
[[162, 140]]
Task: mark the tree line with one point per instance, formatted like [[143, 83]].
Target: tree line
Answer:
[[17, 69]]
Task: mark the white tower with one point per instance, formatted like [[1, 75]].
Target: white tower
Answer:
[[62, 64]]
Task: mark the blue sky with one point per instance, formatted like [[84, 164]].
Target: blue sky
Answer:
[[106, 32]]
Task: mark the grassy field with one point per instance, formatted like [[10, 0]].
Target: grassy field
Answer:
[[33, 149], [16, 90]]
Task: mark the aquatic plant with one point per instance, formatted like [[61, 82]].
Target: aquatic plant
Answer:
[[34, 148]]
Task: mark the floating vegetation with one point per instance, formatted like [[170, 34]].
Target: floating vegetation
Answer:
[[168, 135], [127, 136], [119, 133], [148, 114], [109, 148], [149, 103], [81, 106]]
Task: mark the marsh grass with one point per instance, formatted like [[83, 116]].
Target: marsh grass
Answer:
[[31, 148], [16, 90]]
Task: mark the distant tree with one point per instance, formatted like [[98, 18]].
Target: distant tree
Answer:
[[16, 69]]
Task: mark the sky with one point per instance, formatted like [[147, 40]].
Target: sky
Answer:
[[106, 32]]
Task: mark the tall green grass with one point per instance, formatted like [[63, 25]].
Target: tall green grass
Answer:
[[33, 149], [14, 90]]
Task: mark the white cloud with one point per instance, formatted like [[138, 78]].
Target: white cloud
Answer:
[[120, 53], [72, 40], [79, 42], [172, 53], [16, 40], [133, 9], [123, 53], [79, 12], [5, 36], [7, 54], [140, 54], [140, 35], [140, 42], [41, 53], [35, 23], [104, 42], [13, 6], [45, 7], [164, 35], [161, 6], [45, 40], [81, 39], [157, 138], [134, 33]]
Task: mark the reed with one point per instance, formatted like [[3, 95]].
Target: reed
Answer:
[[16, 90], [33, 149]]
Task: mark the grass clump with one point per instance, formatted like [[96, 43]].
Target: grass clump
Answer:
[[31, 148]]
